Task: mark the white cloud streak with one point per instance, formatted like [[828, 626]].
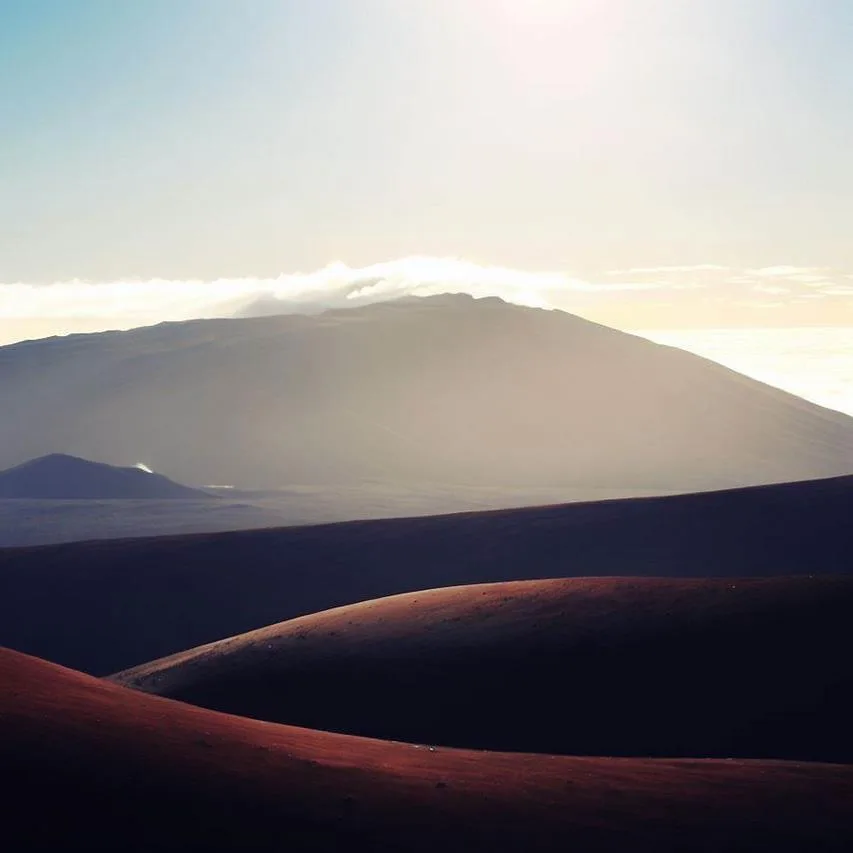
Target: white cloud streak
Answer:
[[795, 273], [335, 285], [672, 269], [771, 288], [28, 310]]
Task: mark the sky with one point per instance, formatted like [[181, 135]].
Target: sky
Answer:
[[655, 164]]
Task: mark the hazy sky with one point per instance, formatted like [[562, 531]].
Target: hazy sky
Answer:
[[593, 141]]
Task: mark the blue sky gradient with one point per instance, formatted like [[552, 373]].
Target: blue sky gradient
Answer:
[[210, 138]]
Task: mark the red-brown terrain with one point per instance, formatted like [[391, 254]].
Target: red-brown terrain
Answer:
[[747, 667], [104, 606], [752, 668], [90, 765]]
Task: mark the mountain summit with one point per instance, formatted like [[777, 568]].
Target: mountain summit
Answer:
[[446, 389], [60, 476]]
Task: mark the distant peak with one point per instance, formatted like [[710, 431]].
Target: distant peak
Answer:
[[62, 476], [56, 457]]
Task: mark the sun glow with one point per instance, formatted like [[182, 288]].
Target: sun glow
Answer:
[[557, 44]]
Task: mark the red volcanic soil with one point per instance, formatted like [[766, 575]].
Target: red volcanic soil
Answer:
[[91, 765], [752, 668], [105, 606]]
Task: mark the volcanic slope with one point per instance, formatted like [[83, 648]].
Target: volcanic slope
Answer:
[[613, 666], [60, 476], [90, 765], [105, 606], [446, 389]]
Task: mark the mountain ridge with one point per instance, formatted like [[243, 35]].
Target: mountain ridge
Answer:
[[446, 388]]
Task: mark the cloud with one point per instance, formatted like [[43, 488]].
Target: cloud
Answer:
[[671, 269], [808, 279], [144, 299], [771, 288], [795, 273], [135, 302], [28, 311]]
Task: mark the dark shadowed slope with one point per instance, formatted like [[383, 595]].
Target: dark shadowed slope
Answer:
[[92, 766], [446, 389], [59, 476], [104, 606], [645, 667], [35, 521]]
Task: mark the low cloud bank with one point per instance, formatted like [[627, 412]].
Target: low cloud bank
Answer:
[[75, 304], [28, 310]]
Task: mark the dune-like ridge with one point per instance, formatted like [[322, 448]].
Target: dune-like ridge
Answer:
[[753, 668], [107, 767], [105, 606]]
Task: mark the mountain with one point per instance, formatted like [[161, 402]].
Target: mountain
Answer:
[[106, 606], [93, 766], [445, 389], [59, 476], [720, 668]]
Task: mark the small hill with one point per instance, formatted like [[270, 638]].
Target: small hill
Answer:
[[612, 666], [60, 476], [106, 606], [93, 766]]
